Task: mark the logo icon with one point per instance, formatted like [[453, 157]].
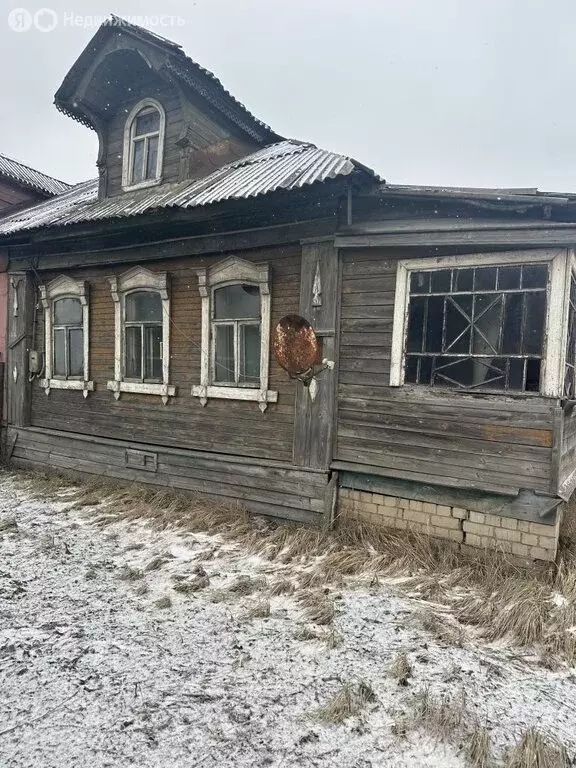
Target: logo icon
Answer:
[[19, 20], [45, 20]]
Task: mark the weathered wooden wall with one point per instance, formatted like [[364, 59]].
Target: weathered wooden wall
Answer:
[[485, 442], [223, 426], [12, 196], [262, 487]]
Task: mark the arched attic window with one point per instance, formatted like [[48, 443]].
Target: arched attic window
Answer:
[[144, 145]]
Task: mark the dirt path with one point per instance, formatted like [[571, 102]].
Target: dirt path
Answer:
[[127, 646]]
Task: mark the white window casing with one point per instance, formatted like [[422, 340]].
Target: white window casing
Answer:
[[233, 271], [553, 359], [60, 288], [128, 149], [140, 279]]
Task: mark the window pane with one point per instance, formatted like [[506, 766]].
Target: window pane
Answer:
[[487, 320], [534, 328], [463, 279], [434, 324], [411, 370], [534, 276], [133, 352], [152, 158], [153, 352], [416, 325], [67, 312], [76, 351], [419, 282], [60, 352], [147, 121], [457, 335], [485, 279], [532, 375], [508, 278], [138, 164], [440, 281], [250, 354], [224, 354], [512, 331], [235, 302], [144, 307]]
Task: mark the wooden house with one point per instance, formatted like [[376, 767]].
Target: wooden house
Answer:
[[143, 305]]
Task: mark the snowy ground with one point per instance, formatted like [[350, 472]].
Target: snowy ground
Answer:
[[95, 672]]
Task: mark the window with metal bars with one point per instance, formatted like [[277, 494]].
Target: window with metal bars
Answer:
[[477, 327], [570, 369]]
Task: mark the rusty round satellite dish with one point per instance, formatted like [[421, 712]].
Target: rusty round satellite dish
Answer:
[[296, 346]]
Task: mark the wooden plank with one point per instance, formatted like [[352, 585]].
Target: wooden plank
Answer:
[[20, 318], [314, 418]]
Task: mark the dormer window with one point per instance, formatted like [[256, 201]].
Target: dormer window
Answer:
[[144, 145]]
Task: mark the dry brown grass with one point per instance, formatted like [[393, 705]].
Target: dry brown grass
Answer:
[[318, 607], [400, 669], [259, 610], [246, 585], [538, 750], [163, 603], [479, 751], [446, 629], [443, 715], [348, 702], [496, 594], [282, 587], [8, 525], [190, 586], [130, 574]]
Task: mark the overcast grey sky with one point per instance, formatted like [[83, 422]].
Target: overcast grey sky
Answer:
[[458, 92]]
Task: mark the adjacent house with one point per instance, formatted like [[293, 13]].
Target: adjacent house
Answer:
[[144, 304], [20, 187]]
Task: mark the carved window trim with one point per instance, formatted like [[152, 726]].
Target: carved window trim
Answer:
[[128, 151], [232, 271], [140, 279], [555, 328], [60, 288]]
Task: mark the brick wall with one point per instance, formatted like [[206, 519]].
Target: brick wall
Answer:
[[517, 537]]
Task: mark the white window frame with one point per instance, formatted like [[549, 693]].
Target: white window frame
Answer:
[[64, 287], [140, 279], [128, 153], [233, 271], [554, 353]]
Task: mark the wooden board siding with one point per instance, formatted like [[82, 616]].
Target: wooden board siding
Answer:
[[485, 442], [223, 426], [266, 488], [567, 467]]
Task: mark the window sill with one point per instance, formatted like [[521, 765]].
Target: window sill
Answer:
[[139, 388], [261, 396], [77, 384], [408, 388], [142, 185]]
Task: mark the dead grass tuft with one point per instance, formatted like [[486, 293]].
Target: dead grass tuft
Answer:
[[8, 525], [282, 587], [246, 585], [130, 574], [400, 669], [163, 603], [479, 751], [259, 610], [318, 606], [445, 628], [440, 714], [538, 750], [190, 586], [348, 702], [157, 562]]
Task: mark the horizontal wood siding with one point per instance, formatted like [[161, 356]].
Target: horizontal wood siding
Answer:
[[262, 488], [487, 443], [223, 426], [568, 455]]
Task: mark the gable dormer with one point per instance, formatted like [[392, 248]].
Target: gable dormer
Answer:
[[159, 116]]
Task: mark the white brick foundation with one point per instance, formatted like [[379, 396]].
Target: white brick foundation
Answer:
[[463, 526]]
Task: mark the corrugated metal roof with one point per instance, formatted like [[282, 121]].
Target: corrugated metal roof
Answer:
[[29, 177], [287, 165]]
